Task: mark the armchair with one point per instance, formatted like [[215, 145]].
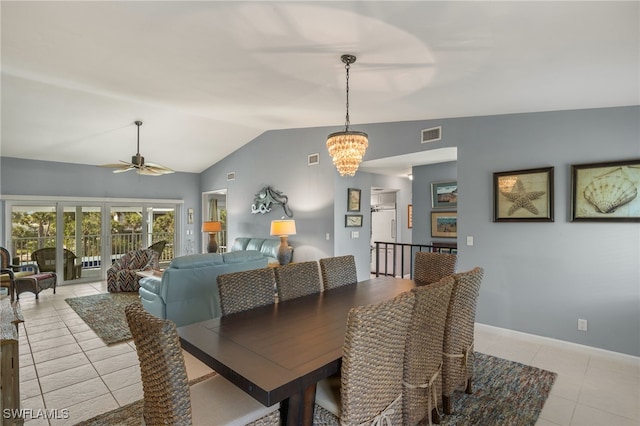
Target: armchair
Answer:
[[158, 247], [121, 276], [9, 273], [46, 260]]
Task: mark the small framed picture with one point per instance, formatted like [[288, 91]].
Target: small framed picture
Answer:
[[444, 195], [190, 216], [353, 220], [444, 224], [353, 200], [410, 216], [523, 195], [606, 191]]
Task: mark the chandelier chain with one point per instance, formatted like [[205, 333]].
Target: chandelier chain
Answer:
[[347, 122], [347, 148]]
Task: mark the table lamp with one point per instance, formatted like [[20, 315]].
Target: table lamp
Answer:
[[283, 228], [212, 227]]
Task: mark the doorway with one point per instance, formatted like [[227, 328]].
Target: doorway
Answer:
[[384, 228], [214, 205]]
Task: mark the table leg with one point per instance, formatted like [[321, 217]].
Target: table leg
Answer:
[[298, 408]]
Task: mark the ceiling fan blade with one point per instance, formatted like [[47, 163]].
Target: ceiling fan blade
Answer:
[[124, 169], [149, 171], [159, 167], [115, 165]]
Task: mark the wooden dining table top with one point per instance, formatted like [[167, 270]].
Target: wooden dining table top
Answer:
[[277, 351]]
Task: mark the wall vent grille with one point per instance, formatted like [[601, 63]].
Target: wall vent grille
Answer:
[[231, 176], [431, 135], [313, 159]]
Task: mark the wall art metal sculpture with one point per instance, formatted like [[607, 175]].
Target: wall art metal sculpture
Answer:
[[266, 197]]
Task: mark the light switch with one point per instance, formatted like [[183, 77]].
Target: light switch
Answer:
[[469, 240], [355, 234]]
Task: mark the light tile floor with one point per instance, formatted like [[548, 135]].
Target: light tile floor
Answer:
[[65, 366]]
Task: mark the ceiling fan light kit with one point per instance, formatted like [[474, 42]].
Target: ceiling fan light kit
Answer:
[[137, 163], [348, 147]]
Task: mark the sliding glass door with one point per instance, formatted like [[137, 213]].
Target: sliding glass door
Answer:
[[80, 241]]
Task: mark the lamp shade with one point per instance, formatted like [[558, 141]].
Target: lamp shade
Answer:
[[283, 227], [212, 226]]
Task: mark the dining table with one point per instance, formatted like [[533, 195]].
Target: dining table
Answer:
[[279, 352]]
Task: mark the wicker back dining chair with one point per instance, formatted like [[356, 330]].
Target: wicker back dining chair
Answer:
[[423, 354], [457, 362], [168, 399], [338, 271], [297, 280], [240, 291], [370, 385], [432, 267]]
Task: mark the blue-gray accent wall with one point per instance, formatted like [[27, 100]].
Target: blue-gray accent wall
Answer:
[[539, 277]]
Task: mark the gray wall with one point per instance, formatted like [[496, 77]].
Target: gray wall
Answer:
[[539, 277], [52, 179], [422, 178], [279, 159]]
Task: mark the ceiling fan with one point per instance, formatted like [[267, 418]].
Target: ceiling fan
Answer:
[[137, 163]]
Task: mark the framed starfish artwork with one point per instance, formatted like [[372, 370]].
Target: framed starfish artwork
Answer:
[[606, 191], [523, 195]]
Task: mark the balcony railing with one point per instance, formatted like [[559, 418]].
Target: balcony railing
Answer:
[[89, 247], [399, 261]]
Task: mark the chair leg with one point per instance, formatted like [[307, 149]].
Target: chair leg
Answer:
[[446, 404], [435, 417], [469, 388]]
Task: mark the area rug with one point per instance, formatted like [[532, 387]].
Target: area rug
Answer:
[[104, 313], [505, 393], [128, 415]]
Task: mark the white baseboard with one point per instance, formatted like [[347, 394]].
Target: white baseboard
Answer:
[[556, 342]]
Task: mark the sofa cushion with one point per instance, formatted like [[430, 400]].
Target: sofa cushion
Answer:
[[241, 256], [255, 244], [5, 277], [270, 248], [240, 244], [196, 261]]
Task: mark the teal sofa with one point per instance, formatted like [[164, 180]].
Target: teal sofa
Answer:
[[188, 289], [267, 246]]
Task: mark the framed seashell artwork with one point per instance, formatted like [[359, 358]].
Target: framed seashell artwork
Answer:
[[523, 195], [606, 191]]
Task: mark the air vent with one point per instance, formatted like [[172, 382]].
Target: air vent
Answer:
[[431, 135], [313, 159], [231, 176]]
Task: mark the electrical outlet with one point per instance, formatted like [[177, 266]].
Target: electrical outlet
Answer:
[[582, 324], [469, 240]]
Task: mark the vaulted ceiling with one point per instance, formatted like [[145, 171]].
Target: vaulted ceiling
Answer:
[[206, 77]]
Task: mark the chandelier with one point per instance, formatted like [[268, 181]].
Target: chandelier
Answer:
[[347, 148]]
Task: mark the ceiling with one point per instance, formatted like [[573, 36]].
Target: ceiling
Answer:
[[207, 77]]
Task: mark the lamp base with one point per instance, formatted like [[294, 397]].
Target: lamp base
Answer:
[[285, 253], [213, 244]]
